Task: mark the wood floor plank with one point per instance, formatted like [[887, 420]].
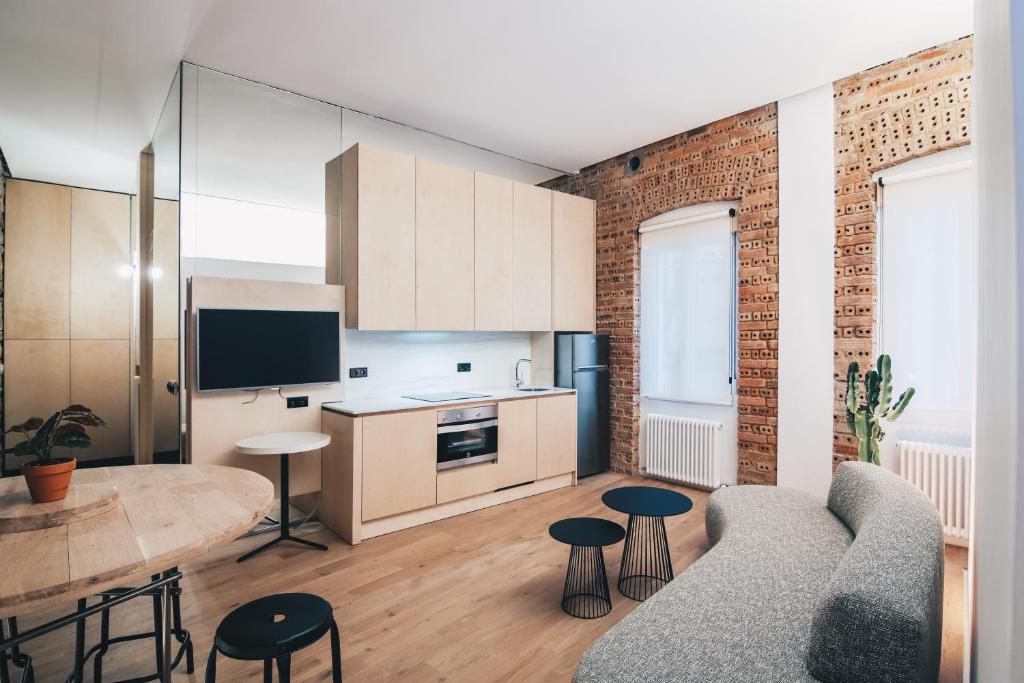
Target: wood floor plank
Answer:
[[471, 598]]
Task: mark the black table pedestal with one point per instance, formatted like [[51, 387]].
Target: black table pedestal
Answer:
[[586, 593], [285, 523], [646, 564]]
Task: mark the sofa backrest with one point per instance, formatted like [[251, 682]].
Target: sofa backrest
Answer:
[[881, 617]]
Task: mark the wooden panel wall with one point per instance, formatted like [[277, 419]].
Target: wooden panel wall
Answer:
[[217, 419]]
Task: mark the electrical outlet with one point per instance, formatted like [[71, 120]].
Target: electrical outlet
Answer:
[[298, 401], [356, 373], [464, 367]]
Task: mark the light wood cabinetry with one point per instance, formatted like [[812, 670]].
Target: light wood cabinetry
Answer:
[[423, 245], [556, 435], [573, 250], [37, 272], [444, 253], [464, 482], [531, 257], [399, 463], [378, 238], [493, 284], [517, 442]]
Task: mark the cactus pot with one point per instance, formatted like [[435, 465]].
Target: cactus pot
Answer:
[[48, 481]]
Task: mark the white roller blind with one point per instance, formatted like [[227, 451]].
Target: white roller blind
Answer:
[[687, 276], [927, 288]]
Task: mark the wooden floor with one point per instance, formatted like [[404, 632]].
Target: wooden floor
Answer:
[[472, 598]]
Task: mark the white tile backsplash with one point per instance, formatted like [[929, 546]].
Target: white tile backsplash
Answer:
[[403, 362]]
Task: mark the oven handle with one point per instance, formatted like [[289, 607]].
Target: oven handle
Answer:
[[466, 426]]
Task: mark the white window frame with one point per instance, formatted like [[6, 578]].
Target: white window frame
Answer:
[[688, 216]]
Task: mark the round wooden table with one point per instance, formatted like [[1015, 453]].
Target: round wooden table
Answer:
[[163, 516]]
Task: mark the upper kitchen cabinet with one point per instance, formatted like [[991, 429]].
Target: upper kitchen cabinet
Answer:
[[493, 261], [573, 250], [374, 256], [444, 253], [531, 257]]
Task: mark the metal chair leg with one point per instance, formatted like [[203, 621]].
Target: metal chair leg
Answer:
[[211, 666], [335, 653], [268, 671], [284, 669], [97, 664], [80, 643]]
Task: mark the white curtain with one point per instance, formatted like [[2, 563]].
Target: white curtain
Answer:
[[687, 279], [928, 288]]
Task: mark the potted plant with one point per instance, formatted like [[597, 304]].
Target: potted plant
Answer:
[[865, 420], [48, 477]]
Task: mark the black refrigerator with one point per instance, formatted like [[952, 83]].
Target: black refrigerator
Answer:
[[581, 363]]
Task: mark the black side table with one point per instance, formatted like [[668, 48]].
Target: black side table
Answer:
[[586, 593], [646, 563]]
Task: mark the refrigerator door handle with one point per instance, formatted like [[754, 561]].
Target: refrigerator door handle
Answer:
[[592, 367]]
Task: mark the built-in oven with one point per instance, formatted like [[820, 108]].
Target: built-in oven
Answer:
[[466, 436]]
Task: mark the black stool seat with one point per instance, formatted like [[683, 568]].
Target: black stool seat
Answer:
[[272, 629], [586, 593], [587, 531]]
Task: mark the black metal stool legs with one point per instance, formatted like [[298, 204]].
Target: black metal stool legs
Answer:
[[586, 592], [646, 563], [335, 653], [211, 666], [14, 656]]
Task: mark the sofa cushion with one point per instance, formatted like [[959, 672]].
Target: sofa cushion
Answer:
[[743, 611], [880, 617]]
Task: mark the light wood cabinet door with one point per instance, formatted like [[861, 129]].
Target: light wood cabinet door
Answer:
[[493, 253], [556, 435], [399, 463], [444, 246], [38, 261], [465, 482], [385, 237], [573, 253], [531, 257], [517, 442]]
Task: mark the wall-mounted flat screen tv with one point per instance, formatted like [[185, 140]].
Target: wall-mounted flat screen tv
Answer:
[[256, 349]]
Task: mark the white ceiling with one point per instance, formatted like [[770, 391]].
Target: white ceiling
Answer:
[[559, 83]]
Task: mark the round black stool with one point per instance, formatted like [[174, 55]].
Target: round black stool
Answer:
[[271, 629], [646, 563], [586, 592]]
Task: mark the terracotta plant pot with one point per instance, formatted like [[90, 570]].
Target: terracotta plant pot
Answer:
[[48, 481]]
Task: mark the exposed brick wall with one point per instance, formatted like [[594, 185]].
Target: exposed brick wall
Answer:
[[892, 113], [735, 159]]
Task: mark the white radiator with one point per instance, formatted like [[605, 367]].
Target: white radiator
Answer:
[[944, 474], [683, 449]]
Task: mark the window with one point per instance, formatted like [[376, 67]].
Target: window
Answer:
[[687, 304], [927, 285]]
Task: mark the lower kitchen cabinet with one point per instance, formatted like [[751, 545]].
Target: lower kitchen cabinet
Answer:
[[517, 442], [556, 435], [399, 463], [463, 482]]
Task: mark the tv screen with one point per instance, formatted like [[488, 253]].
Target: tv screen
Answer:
[[252, 349]]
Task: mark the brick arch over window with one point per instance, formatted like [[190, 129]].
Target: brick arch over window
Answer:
[[734, 159], [895, 112]]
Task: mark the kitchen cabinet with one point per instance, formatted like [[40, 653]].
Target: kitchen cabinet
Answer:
[[375, 256], [517, 442], [444, 239], [463, 482], [531, 257], [399, 463], [494, 286], [556, 435], [573, 252]]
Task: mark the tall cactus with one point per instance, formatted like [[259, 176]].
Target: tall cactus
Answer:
[[865, 420]]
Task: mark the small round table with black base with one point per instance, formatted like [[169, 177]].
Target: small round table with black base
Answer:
[[586, 592], [646, 562]]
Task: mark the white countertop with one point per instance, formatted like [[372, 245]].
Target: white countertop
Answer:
[[394, 404], [282, 442]]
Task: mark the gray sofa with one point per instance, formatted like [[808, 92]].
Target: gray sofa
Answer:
[[795, 590]]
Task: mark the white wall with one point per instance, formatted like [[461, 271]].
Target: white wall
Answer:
[[997, 554], [806, 297]]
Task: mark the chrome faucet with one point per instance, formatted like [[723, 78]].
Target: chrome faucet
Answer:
[[519, 380]]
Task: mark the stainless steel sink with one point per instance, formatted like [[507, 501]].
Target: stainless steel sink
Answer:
[[533, 389]]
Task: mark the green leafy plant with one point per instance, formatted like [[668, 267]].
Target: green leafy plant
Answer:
[[63, 429], [865, 419]]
